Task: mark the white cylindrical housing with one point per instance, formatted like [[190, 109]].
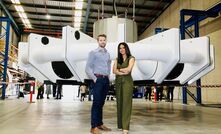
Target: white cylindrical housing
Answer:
[[116, 29]]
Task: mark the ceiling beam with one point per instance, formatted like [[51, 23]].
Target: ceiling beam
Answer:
[[60, 21], [125, 5], [70, 21], [107, 4], [107, 12], [51, 26], [69, 16]]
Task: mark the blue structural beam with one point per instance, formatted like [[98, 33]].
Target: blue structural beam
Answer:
[[182, 33], [7, 13], [184, 90], [196, 17], [191, 12], [8, 22], [212, 12]]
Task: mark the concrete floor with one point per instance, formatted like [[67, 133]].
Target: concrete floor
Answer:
[[73, 117]]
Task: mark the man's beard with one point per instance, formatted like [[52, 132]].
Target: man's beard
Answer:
[[103, 45]]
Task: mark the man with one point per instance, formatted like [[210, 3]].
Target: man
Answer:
[[170, 93], [59, 90], [40, 94], [148, 92], [83, 91], [98, 69], [54, 89]]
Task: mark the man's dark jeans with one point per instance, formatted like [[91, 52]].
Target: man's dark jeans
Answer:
[[100, 91]]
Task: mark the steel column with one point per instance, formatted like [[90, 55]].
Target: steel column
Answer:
[[182, 32], [5, 58]]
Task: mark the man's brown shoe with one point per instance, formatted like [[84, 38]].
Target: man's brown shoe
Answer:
[[95, 131], [104, 128]]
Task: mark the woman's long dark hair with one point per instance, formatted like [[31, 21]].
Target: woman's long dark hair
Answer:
[[120, 57]]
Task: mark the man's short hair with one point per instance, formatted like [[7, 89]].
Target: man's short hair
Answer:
[[101, 35]]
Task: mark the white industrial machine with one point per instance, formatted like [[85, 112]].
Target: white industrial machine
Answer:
[[161, 57]]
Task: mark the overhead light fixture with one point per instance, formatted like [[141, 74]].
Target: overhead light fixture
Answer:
[[77, 25], [20, 15], [78, 4], [19, 8], [48, 16], [23, 20], [77, 13], [77, 19], [16, 1], [23, 15], [27, 21], [29, 26]]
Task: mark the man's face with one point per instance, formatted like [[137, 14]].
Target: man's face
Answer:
[[102, 42]]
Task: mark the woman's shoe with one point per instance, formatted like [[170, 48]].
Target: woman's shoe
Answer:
[[125, 132]]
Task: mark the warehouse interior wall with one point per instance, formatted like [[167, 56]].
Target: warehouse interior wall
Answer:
[[24, 37], [213, 94], [170, 18]]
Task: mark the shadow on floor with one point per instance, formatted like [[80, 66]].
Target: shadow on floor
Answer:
[[212, 105]]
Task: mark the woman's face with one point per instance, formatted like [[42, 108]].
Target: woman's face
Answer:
[[122, 49]]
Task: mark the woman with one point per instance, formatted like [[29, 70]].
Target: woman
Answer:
[[124, 86], [40, 94], [48, 90]]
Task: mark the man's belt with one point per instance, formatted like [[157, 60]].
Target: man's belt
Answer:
[[101, 76]]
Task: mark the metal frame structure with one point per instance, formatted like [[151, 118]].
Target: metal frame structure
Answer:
[[62, 13], [6, 35], [12, 20], [195, 17]]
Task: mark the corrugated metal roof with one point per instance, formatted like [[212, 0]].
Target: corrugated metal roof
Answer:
[[62, 12]]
